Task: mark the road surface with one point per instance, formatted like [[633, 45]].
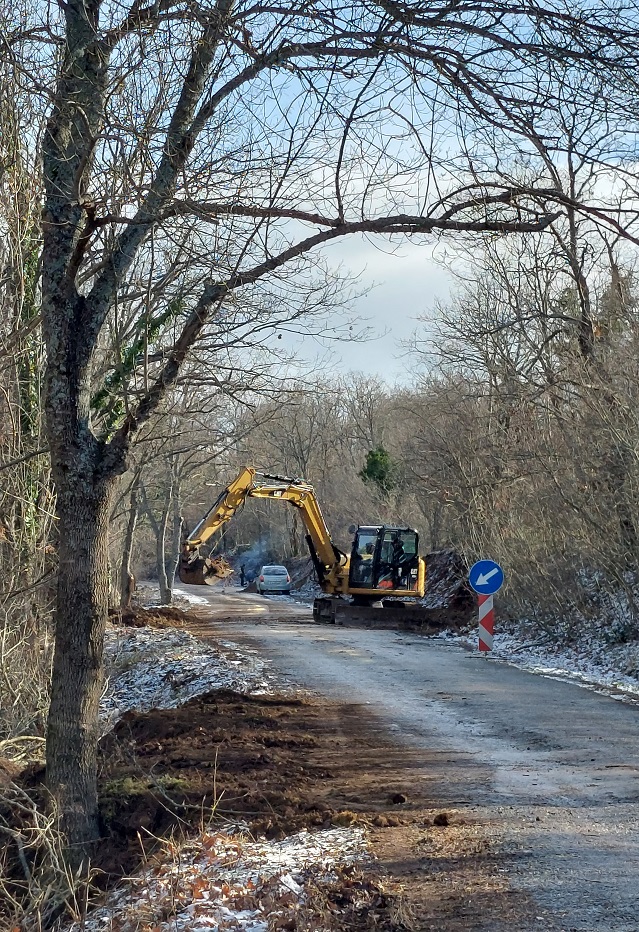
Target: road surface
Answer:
[[553, 766]]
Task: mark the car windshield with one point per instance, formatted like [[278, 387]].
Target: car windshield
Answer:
[[274, 571]]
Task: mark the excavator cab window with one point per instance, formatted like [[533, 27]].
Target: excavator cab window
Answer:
[[397, 563], [384, 558], [363, 558]]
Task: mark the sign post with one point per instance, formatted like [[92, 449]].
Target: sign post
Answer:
[[486, 577]]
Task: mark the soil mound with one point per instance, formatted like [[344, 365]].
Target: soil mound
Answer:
[[449, 598], [164, 616], [281, 764]]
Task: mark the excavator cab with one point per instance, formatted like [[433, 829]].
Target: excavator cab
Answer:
[[384, 558]]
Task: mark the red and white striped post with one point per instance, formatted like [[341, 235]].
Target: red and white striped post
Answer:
[[486, 577], [486, 621]]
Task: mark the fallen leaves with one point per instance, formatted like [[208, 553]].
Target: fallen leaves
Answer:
[[226, 882]]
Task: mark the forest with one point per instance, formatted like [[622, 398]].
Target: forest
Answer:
[[169, 174]]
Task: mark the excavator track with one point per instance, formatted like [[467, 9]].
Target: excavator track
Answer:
[[395, 615]]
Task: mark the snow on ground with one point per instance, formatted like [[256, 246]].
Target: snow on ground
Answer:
[[153, 668], [189, 597], [605, 667], [612, 669], [223, 881]]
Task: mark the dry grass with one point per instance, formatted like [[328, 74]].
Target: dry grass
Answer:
[[26, 653], [36, 884]]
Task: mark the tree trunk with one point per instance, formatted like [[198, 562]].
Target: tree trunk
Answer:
[[160, 557], [82, 609], [176, 539], [127, 579], [159, 532]]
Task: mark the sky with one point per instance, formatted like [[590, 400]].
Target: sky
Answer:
[[404, 286]]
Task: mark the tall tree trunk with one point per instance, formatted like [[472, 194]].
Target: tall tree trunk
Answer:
[[82, 609], [160, 556], [127, 580], [159, 532], [176, 538]]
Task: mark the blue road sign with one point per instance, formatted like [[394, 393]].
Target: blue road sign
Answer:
[[486, 577]]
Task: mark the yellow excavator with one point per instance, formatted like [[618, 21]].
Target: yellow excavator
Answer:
[[382, 570]]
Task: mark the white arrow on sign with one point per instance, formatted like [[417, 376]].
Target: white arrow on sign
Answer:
[[483, 578]]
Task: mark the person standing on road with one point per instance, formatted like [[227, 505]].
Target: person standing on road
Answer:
[[242, 576]]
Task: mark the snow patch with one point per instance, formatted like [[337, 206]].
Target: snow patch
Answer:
[[151, 668], [593, 664], [222, 881], [190, 597]]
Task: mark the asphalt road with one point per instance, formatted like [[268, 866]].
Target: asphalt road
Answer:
[[554, 767]]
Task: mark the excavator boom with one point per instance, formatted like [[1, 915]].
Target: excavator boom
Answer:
[[329, 561], [222, 510]]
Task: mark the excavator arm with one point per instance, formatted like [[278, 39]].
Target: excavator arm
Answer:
[[221, 511], [331, 564]]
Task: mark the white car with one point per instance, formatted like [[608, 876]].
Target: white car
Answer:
[[273, 579]]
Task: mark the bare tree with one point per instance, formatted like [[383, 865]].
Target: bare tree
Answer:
[[522, 434], [196, 157]]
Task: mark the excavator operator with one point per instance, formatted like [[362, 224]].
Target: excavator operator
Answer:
[[362, 561]]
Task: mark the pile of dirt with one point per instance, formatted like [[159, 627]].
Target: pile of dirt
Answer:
[[284, 764], [265, 761], [450, 601], [280, 764], [165, 616]]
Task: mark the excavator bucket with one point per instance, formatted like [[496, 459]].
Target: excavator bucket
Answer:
[[204, 572], [192, 573]]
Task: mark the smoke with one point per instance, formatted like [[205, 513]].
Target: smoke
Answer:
[[253, 559]]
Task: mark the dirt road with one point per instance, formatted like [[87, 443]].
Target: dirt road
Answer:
[[551, 769]]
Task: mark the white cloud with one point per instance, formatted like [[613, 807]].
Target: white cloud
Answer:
[[406, 283]]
